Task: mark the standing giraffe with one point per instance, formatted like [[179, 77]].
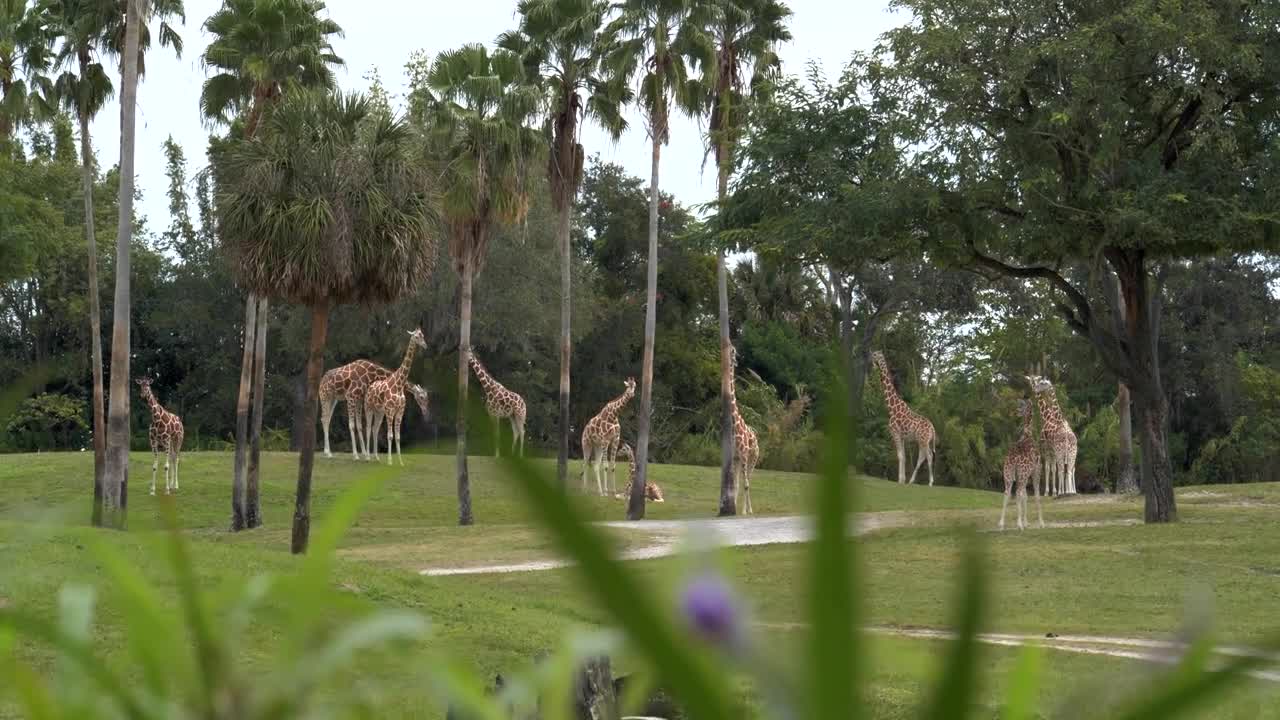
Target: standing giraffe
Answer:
[[349, 382], [905, 424], [1060, 443], [165, 434], [652, 492], [1022, 466], [500, 403], [395, 418], [746, 447], [600, 439], [386, 396]]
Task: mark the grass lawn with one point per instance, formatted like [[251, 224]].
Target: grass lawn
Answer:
[[1103, 578]]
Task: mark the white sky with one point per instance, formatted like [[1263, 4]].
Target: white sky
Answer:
[[382, 33]]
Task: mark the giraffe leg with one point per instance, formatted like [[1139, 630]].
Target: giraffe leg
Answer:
[[902, 460], [1071, 474], [168, 483], [746, 490], [497, 435], [929, 459], [399, 452], [1022, 503], [391, 448], [515, 436], [326, 416], [920, 455], [353, 423], [155, 464], [1035, 470], [586, 459], [177, 457], [1008, 485]]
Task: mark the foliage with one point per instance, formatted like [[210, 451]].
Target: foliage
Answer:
[[1247, 452], [48, 422]]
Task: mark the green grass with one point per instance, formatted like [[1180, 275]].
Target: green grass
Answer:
[[1113, 579]]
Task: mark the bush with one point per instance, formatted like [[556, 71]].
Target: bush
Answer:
[[49, 421], [1247, 453]]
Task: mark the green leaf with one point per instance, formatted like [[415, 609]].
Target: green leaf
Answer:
[[623, 596], [209, 652], [832, 642], [958, 686], [1024, 685], [1190, 685]]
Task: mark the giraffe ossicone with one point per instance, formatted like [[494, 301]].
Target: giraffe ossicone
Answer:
[[165, 434]]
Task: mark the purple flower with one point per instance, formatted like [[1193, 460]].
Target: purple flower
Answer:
[[712, 610]]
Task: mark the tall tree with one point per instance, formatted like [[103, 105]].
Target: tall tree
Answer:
[[742, 35], [363, 230], [478, 127], [560, 43], [181, 235], [260, 50], [83, 87], [650, 39], [1109, 137], [24, 58], [116, 477]]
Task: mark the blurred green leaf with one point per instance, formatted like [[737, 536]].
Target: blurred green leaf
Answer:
[[954, 696], [1024, 685]]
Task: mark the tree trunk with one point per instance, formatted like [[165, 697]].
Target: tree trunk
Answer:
[[566, 341], [307, 445], [242, 414], [728, 503], [593, 691], [252, 509], [464, 375], [635, 505], [1141, 312], [116, 491], [95, 316], [1126, 480]]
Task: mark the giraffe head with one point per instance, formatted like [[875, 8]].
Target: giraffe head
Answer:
[[420, 396], [1024, 408], [1039, 384], [624, 452], [630, 384], [145, 384], [877, 357], [416, 338]]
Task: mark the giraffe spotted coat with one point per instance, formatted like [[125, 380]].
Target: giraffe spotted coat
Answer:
[[600, 440], [652, 491], [905, 425], [385, 399], [1060, 444], [746, 446], [1022, 467], [349, 382], [500, 403], [165, 435]]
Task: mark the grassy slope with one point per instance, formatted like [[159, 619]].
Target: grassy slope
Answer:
[[1122, 580]]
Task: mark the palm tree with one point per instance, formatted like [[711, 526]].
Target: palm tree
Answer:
[[24, 57], [260, 50], [83, 87], [742, 35], [116, 477], [651, 38], [478, 132], [361, 223], [559, 42]]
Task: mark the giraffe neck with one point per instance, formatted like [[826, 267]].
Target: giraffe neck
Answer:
[[156, 410], [614, 406], [486, 380], [886, 384], [1028, 427], [1050, 413], [398, 378]]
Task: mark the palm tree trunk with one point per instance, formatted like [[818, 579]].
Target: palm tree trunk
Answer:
[[95, 319], [116, 491], [242, 414], [252, 510], [728, 506], [307, 444], [566, 343], [464, 358], [635, 505]]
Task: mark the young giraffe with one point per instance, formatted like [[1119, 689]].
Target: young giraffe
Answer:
[[500, 403], [165, 434], [395, 418], [349, 382], [905, 424], [600, 439], [1060, 442], [387, 394], [746, 447], [652, 492], [1022, 466]]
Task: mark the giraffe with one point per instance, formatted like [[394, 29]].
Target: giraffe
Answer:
[[746, 447], [652, 491], [349, 382], [905, 424], [165, 434], [601, 436], [395, 417], [386, 396], [1060, 443], [500, 403], [1022, 466]]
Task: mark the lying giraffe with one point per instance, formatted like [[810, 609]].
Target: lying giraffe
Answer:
[[165, 435], [652, 492]]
